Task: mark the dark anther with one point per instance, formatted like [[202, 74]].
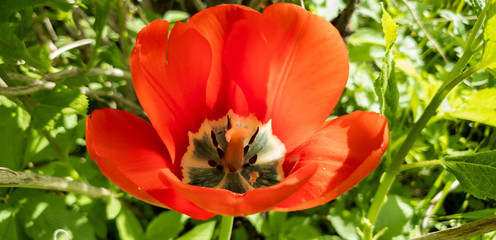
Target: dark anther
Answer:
[[253, 159], [220, 167], [214, 139], [212, 163], [220, 152], [252, 139], [229, 126], [246, 148], [246, 165], [91, 117]]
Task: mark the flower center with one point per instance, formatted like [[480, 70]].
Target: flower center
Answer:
[[234, 153]]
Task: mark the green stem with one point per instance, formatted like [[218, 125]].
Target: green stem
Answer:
[[226, 227], [429, 111], [387, 179], [420, 164], [455, 76]]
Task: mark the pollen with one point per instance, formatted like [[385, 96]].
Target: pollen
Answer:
[[253, 177]]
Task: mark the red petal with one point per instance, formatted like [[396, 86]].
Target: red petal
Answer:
[[215, 24], [130, 153], [228, 203], [308, 74], [247, 57], [346, 149], [172, 91]]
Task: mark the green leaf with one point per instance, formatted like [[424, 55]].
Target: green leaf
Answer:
[[12, 49], [386, 87], [298, 228], [489, 55], [390, 28], [113, 208], [165, 226], [9, 6], [175, 16], [394, 215], [257, 221], [56, 103], [276, 220], [129, 226], [13, 124], [101, 14], [344, 220], [203, 231], [473, 215], [8, 227], [480, 107], [41, 214], [478, 5], [475, 172]]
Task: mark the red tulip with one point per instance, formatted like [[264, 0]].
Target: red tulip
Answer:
[[237, 102]]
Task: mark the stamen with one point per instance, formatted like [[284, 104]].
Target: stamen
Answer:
[[252, 139], [253, 160], [214, 139], [248, 156], [212, 163], [220, 152], [247, 147]]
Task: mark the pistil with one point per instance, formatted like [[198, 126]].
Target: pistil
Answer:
[[234, 155]]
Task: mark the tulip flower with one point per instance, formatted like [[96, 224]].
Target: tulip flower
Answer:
[[237, 102]]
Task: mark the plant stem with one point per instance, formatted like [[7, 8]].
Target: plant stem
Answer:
[[455, 76], [10, 178], [394, 166], [387, 179], [464, 231], [420, 164], [226, 227]]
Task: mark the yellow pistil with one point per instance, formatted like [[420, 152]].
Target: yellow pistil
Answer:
[[234, 156]]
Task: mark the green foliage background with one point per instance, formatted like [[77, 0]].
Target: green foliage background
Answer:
[[61, 59]]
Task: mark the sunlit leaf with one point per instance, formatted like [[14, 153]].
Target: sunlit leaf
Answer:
[[55, 104], [386, 87], [390, 28], [174, 221], [489, 56], [113, 208], [9, 6], [42, 214], [13, 123], [8, 228], [480, 107], [394, 215], [344, 220], [129, 226], [174, 16], [476, 173], [202, 231]]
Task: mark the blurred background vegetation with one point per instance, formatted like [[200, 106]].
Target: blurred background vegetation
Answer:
[[61, 59]]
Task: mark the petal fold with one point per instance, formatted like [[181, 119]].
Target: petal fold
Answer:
[[225, 202], [307, 74], [170, 78], [346, 150], [130, 153], [216, 24]]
